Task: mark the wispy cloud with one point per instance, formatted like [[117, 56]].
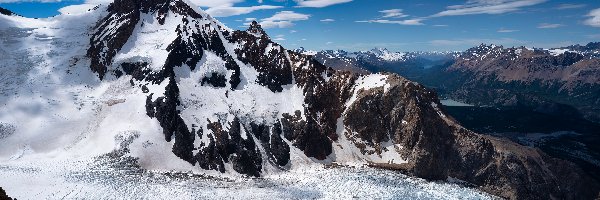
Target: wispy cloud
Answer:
[[319, 3], [76, 9], [470, 7], [215, 3], [327, 20], [503, 30], [548, 25], [593, 36], [233, 11], [396, 13], [279, 38], [594, 19], [569, 6], [393, 13], [412, 22], [283, 19], [473, 7]]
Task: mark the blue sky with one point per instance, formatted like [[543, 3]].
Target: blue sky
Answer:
[[399, 25]]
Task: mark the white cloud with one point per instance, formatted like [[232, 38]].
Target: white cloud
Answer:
[[287, 16], [19, 1], [216, 3], [570, 6], [396, 13], [470, 7], [283, 19], [327, 20], [201, 3], [401, 22], [503, 30], [487, 7], [76, 9], [276, 24], [279, 38], [319, 3], [547, 25], [593, 36], [233, 11], [594, 19]]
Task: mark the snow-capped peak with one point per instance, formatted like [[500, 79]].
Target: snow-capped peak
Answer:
[[386, 55], [305, 52]]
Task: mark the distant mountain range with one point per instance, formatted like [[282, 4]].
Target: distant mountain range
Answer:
[[379, 59], [515, 91], [559, 81]]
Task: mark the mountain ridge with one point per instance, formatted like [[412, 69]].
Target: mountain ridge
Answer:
[[316, 135], [6, 12], [237, 102]]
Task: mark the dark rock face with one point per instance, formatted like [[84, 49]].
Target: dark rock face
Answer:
[[113, 41], [436, 147], [242, 153], [6, 12], [164, 109], [112, 32], [3, 195], [216, 80], [334, 107], [275, 69]]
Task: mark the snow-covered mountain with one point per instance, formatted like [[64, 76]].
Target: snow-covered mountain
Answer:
[[380, 59], [165, 84]]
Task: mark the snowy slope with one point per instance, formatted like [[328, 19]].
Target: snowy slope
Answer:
[[59, 108], [386, 55], [158, 86]]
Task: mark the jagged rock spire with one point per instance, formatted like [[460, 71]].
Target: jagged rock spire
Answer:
[[256, 29]]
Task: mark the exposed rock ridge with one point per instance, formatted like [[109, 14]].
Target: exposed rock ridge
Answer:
[[6, 12]]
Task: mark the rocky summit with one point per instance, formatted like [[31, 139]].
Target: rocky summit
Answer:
[[176, 89]]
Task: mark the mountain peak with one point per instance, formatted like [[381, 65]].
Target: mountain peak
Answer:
[[121, 21], [386, 55], [182, 7], [256, 29]]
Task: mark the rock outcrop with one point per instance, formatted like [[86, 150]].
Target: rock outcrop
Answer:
[[3, 195], [6, 12]]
